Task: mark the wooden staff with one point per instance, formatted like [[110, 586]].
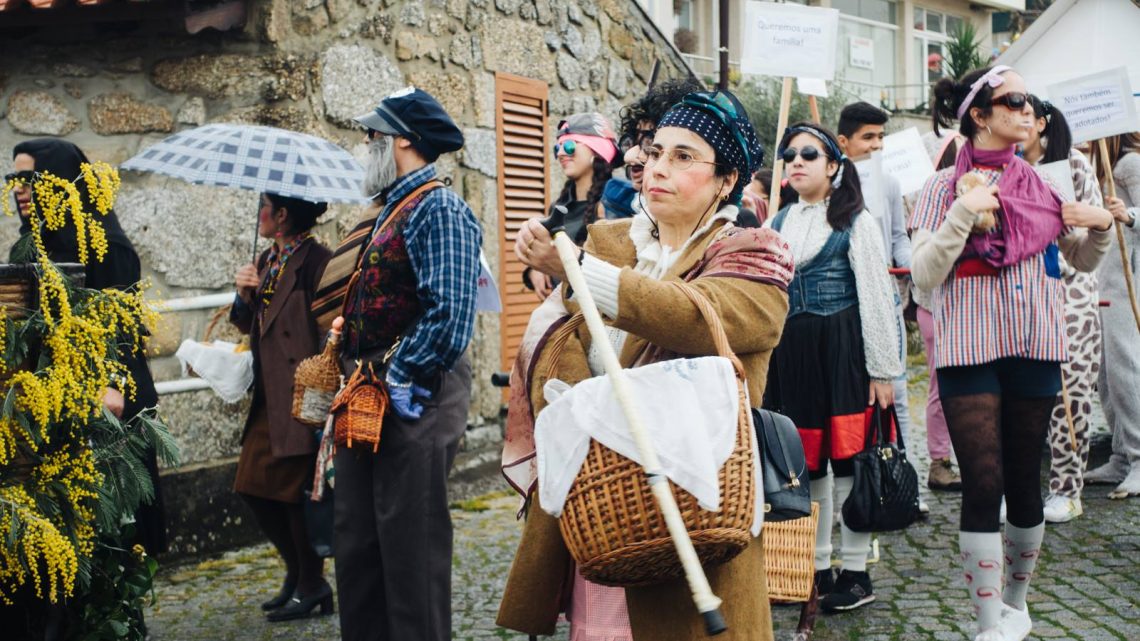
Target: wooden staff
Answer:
[[1120, 234], [813, 105], [778, 166], [1069, 415]]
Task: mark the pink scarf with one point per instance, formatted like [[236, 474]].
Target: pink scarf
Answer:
[[1029, 219]]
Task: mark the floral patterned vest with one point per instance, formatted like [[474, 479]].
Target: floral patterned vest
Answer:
[[382, 304]]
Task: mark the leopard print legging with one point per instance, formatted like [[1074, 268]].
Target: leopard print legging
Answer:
[[1082, 328]]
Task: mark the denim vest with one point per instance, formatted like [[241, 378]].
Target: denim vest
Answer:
[[824, 285]]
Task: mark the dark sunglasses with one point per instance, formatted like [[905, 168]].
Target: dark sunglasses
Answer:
[[26, 176], [568, 147], [1014, 100], [807, 153]]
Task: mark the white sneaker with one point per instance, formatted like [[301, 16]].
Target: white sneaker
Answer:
[[1130, 486], [1015, 624], [1062, 509], [923, 508]]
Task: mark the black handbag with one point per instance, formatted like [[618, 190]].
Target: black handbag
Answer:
[[319, 523], [884, 497], [787, 494]]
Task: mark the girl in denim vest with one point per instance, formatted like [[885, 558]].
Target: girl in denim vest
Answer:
[[839, 351]]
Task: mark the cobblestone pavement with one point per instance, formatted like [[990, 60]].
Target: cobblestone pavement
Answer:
[[1087, 588]]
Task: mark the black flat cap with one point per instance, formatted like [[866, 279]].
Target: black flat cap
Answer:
[[416, 115]]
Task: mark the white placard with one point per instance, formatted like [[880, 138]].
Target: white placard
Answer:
[[486, 293], [789, 40], [870, 170], [1060, 175], [1098, 105], [812, 87], [905, 158], [861, 53]]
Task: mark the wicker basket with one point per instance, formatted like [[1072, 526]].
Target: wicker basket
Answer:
[[19, 286], [789, 557], [317, 380], [611, 523], [358, 411]]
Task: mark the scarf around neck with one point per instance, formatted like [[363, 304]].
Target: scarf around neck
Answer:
[[1029, 213]]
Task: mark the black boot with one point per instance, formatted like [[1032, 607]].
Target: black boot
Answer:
[[282, 597], [300, 607]]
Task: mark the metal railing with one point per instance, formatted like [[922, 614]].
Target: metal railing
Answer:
[[189, 303]]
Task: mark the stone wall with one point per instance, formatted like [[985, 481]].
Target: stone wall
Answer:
[[309, 66]]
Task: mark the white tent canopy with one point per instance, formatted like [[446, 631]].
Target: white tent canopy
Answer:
[[1076, 38]]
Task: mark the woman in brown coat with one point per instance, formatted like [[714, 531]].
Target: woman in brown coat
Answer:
[[702, 148], [278, 454]]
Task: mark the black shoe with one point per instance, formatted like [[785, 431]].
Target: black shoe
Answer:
[[852, 590], [282, 597], [300, 607], [824, 582]]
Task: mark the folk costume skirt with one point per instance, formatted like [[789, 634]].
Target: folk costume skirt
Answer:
[[261, 474], [818, 378]]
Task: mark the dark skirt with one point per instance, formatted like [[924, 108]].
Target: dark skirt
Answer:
[[261, 474], [818, 378]]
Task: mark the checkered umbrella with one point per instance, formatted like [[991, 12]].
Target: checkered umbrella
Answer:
[[267, 159]]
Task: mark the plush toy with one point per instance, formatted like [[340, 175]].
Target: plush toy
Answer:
[[986, 219]]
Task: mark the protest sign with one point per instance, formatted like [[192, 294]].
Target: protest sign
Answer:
[[1060, 175], [812, 87], [789, 40], [1098, 105], [486, 292], [861, 53], [905, 158], [870, 169]]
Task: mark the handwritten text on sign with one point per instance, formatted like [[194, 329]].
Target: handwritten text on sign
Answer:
[[1098, 105], [905, 158], [789, 40]]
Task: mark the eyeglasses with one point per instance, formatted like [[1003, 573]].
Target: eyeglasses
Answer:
[[1014, 100], [808, 153], [642, 138], [567, 147], [26, 176], [679, 159]]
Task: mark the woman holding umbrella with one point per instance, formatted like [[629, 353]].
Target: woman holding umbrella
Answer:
[[278, 454], [703, 152]]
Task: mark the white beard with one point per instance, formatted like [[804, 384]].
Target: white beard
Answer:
[[381, 170]]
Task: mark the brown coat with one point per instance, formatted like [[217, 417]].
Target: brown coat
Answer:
[[287, 336], [654, 312]]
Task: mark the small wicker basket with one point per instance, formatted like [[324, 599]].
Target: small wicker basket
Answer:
[[358, 410], [611, 523], [317, 380], [789, 557]]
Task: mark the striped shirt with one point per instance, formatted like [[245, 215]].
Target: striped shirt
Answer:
[[980, 318], [443, 239]]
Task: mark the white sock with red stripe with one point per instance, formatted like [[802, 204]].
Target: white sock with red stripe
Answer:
[[821, 492], [1022, 548], [982, 565]]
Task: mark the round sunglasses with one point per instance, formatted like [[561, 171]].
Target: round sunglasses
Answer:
[[567, 147], [1014, 100], [808, 153]]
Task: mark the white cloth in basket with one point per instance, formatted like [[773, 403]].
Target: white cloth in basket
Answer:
[[690, 407], [228, 373]]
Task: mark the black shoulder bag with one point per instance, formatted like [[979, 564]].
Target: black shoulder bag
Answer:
[[884, 497], [787, 494]]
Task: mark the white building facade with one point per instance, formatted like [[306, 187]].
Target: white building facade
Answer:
[[888, 51]]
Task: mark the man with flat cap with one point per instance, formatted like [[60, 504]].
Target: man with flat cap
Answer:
[[410, 312]]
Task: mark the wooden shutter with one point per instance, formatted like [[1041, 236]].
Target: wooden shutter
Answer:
[[524, 166]]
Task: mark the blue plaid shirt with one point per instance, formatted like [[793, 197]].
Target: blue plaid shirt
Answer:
[[443, 239]]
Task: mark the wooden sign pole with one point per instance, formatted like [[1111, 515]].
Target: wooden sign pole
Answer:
[[778, 166], [814, 107], [1120, 233]]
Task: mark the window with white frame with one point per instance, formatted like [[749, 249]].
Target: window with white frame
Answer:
[[866, 51], [931, 31]]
